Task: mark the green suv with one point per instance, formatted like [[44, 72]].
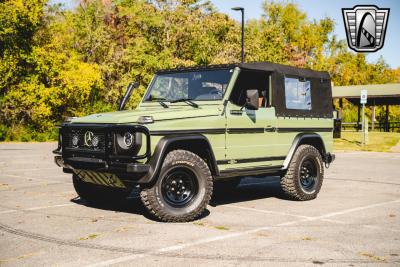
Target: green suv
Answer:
[[197, 128]]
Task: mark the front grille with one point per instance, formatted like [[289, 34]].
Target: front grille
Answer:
[[90, 144]]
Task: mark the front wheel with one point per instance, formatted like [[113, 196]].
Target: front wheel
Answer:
[[303, 178], [183, 189]]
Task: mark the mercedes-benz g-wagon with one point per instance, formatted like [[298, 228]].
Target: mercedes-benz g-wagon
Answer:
[[197, 127]]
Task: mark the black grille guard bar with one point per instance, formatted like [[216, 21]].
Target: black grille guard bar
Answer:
[[107, 129]]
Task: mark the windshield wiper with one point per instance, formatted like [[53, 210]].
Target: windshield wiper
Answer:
[[160, 100], [186, 100], [162, 104]]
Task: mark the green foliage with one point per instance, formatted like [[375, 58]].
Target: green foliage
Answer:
[[377, 141], [57, 63], [22, 133]]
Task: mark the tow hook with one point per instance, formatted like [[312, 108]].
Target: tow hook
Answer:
[[328, 159]]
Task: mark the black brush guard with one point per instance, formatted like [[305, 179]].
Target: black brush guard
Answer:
[[105, 160]]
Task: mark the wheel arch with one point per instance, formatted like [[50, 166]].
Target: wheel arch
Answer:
[[312, 139], [197, 144]]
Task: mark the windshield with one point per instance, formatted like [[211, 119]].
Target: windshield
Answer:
[[193, 85]]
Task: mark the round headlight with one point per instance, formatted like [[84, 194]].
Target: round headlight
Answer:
[[75, 140], [128, 139]]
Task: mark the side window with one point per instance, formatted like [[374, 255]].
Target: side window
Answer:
[[251, 80], [297, 94]]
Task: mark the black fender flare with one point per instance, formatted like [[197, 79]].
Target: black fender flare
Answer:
[[305, 138], [161, 149]]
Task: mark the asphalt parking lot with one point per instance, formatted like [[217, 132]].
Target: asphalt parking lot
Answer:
[[354, 221]]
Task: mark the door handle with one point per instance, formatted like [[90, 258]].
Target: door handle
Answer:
[[236, 112], [270, 129]]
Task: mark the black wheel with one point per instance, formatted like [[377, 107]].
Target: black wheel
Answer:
[[183, 189], [95, 194], [303, 178]]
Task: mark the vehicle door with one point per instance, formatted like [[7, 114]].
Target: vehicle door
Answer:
[[250, 135]]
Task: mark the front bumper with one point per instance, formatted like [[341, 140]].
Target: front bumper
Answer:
[[106, 161], [70, 164]]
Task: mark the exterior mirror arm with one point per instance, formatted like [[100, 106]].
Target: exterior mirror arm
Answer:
[[128, 94]]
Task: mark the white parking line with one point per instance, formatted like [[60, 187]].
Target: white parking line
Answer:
[[21, 156], [36, 169], [277, 213], [266, 211], [382, 181], [36, 179], [381, 228], [332, 214], [36, 208], [117, 260], [237, 234]]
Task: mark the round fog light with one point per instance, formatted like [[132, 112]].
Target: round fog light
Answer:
[[75, 140], [95, 141]]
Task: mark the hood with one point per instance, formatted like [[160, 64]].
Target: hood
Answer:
[[132, 116]]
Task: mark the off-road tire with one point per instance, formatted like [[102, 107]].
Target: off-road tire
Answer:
[[95, 194], [155, 200], [291, 181]]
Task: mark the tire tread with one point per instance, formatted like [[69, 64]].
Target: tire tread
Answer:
[[288, 182], [149, 199]]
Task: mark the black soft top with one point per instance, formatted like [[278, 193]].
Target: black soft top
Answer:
[[262, 66], [285, 70], [321, 91]]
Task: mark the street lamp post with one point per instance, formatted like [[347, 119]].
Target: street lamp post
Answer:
[[241, 9]]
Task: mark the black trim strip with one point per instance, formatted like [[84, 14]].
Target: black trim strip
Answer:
[[245, 130], [184, 118], [313, 129], [250, 171], [270, 129], [226, 161], [209, 131], [238, 131], [195, 131]]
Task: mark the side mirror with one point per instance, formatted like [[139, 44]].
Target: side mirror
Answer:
[[128, 94], [252, 99]]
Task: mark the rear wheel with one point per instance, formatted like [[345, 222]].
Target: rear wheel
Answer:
[[303, 179], [183, 189]]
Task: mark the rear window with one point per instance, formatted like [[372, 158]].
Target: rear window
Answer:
[[297, 94]]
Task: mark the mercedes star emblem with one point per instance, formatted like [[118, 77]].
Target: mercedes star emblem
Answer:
[[89, 138]]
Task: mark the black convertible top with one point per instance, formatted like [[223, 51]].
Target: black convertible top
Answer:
[[262, 66], [285, 69], [321, 91]]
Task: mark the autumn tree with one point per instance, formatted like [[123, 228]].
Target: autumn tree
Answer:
[[56, 63]]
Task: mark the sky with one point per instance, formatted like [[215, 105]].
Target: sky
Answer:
[[320, 9]]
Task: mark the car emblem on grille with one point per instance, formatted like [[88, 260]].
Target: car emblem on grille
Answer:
[[89, 138], [365, 27]]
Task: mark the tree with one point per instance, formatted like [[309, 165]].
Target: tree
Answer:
[[57, 63]]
